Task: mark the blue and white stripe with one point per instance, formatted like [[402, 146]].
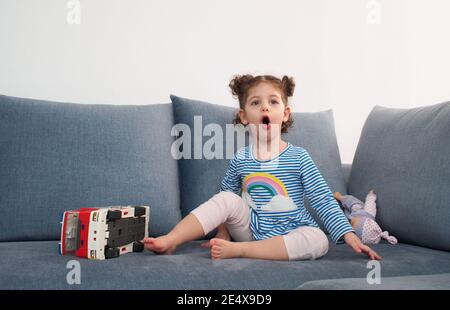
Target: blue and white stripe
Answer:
[[296, 169]]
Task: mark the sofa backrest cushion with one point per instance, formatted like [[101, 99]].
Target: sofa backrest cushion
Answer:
[[404, 155], [200, 178], [62, 156]]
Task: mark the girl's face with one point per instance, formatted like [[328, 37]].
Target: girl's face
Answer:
[[265, 109]]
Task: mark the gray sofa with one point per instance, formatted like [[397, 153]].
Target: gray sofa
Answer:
[[61, 156]]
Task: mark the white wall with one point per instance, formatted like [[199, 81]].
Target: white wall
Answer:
[[139, 52]]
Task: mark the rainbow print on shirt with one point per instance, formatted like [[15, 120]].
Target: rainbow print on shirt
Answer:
[[266, 181], [261, 180]]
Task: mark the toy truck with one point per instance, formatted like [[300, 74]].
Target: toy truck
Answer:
[[101, 233]]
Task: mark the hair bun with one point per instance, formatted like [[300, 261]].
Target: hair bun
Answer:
[[238, 84], [288, 85]]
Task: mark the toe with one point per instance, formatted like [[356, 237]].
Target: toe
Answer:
[[205, 245], [149, 240], [215, 252]]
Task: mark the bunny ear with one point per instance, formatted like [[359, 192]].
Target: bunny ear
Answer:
[[390, 239], [370, 206]]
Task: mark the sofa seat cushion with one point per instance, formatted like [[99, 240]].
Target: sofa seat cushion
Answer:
[[422, 282], [37, 265], [62, 156]]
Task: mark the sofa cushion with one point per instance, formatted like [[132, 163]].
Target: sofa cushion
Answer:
[[422, 282], [200, 178], [61, 156], [37, 265], [404, 155]]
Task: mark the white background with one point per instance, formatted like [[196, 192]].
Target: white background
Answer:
[[140, 52]]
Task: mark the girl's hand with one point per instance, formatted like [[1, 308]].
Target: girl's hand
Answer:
[[355, 243]]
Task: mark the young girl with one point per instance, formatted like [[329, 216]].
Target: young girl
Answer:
[[260, 205]]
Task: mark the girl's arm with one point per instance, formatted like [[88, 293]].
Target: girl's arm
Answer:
[[231, 181], [322, 200]]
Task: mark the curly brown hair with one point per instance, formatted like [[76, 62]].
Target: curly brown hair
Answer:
[[240, 85]]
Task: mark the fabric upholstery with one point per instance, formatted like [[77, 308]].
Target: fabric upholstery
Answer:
[[200, 178], [404, 155], [61, 156]]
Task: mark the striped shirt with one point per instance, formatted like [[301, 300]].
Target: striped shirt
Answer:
[[274, 191]]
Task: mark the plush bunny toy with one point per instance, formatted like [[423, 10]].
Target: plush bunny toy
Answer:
[[362, 216]]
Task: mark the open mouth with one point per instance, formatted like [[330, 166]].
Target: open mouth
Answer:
[[266, 122]]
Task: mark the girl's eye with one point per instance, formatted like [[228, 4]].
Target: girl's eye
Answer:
[[274, 101], [254, 103]]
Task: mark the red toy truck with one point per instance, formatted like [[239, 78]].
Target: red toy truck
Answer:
[[99, 233]]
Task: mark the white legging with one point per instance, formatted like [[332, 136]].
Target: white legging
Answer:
[[226, 207]]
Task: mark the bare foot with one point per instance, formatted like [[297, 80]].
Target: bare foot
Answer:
[[337, 195], [160, 245], [355, 221], [224, 249], [220, 235]]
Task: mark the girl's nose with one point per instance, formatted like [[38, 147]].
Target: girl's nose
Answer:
[[265, 107]]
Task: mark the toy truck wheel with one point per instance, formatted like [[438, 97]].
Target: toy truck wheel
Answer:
[[112, 252], [138, 246], [114, 215], [139, 211]]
